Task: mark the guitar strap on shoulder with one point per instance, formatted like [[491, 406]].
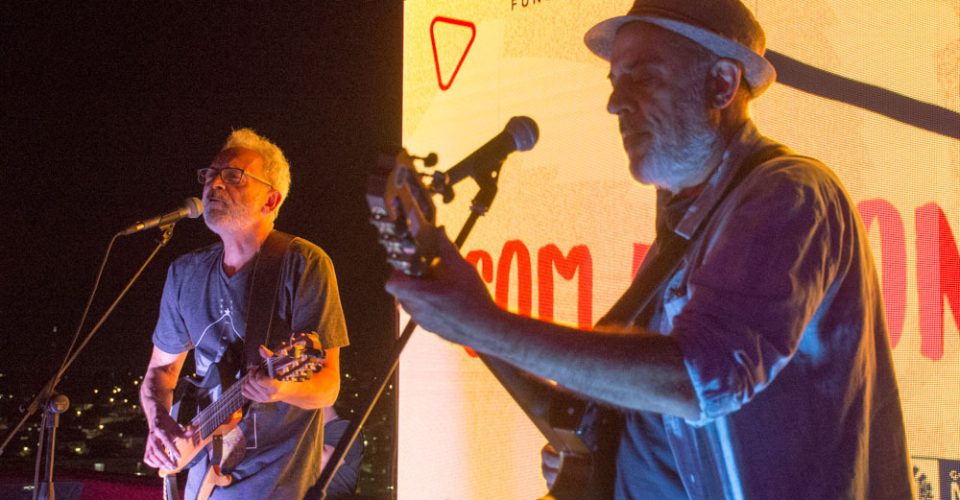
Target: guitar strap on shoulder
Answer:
[[672, 248], [264, 291], [600, 425]]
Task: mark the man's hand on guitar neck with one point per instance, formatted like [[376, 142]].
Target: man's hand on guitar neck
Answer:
[[318, 391], [260, 387], [451, 301]]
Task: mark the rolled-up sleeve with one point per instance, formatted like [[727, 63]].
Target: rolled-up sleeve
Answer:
[[755, 285]]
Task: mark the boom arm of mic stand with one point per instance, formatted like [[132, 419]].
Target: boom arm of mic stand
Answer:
[[49, 388]]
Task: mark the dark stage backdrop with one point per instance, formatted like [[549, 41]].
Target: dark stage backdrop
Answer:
[[107, 109]]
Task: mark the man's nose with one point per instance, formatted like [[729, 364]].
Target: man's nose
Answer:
[[617, 104], [216, 182]]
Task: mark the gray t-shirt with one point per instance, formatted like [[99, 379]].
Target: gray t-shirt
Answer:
[[201, 305]]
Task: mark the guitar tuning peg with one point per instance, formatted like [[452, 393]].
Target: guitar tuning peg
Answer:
[[428, 161]]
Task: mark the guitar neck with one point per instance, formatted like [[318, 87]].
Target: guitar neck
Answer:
[[536, 398], [295, 361], [219, 411]]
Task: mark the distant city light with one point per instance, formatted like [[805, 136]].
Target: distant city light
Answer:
[[100, 427]]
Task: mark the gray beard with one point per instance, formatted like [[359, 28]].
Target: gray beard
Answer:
[[676, 166], [230, 220]]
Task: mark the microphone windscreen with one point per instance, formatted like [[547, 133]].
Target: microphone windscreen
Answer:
[[524, 131], [194, 207]]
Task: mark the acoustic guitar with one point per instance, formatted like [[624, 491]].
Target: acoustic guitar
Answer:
[[404, 214]]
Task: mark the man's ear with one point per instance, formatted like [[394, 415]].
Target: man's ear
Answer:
[[273, 201], [723, 81]]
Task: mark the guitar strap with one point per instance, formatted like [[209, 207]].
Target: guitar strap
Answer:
[[262, 312], [600, 426], [671, 248], [262, 315]]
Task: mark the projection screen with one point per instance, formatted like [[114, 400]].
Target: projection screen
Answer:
[[871, 87]]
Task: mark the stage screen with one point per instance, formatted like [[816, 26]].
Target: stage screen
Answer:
[[870, 87]]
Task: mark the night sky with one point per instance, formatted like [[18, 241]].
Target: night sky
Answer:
[[108, 108]]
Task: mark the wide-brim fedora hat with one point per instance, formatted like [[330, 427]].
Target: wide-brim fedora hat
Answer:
[[725, 27]]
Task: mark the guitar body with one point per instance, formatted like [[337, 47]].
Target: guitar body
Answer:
[[575, 472], [214, 430], [582, 477], [191, 446], [585, 437], [225, 451]]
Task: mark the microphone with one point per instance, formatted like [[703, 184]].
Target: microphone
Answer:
[[520, 134], [192, 208]]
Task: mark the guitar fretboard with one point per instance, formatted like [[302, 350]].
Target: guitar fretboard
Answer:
[[218, 412], [293, 362]]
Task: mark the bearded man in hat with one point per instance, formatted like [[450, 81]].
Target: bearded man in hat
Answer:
[[760, 366]]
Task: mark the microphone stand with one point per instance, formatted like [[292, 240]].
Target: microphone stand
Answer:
[[480, 205], [49, 423], [54, 403]]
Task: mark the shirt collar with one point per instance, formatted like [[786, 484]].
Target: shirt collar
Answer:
[[696, 210]]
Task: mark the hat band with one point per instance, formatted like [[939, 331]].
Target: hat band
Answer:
[[758, 72]]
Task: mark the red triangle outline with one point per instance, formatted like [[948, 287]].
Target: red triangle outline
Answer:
[[433, 42]]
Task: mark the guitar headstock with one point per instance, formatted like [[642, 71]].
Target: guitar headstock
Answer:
[[298, 359], [403, 212]]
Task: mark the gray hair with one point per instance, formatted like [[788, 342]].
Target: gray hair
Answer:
[[275, 165]]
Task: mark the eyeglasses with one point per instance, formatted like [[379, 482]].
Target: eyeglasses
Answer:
[[229, 175]]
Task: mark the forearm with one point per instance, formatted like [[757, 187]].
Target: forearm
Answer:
[[159, 381], [312, 394], [632, 369], [156, 395], [635, 370], [318, 391]]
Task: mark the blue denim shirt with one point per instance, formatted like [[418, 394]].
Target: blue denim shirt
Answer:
[[778, 313]]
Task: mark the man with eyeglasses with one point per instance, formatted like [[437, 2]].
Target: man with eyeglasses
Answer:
[[276, 448]]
